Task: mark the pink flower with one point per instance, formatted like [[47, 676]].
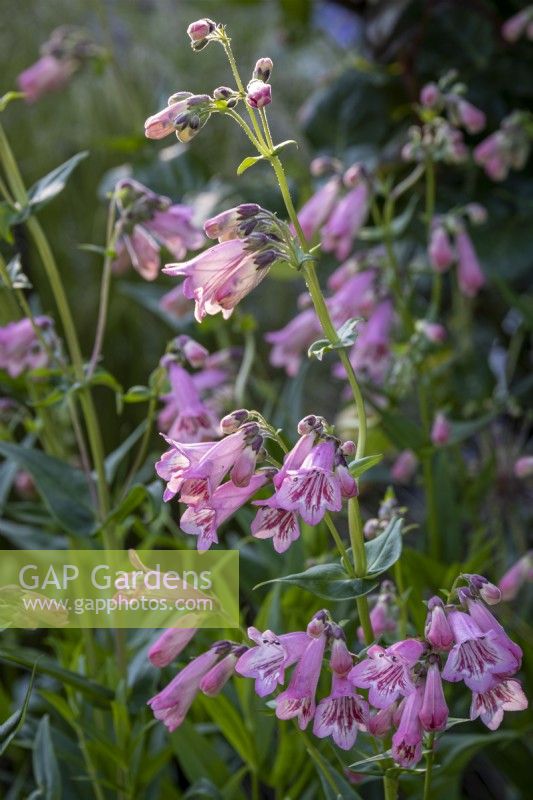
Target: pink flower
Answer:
[[437, 630], [318, 208], [380, 723], [430, 95], [273, 522], [200, 30], [348, 216], [293, 340], [407, 741], [434, 712], [488, 623], [172, 704], [20, 347], [433, 331], [440, 430], [263, 69], [204, 520], [523, 467], [48, 74], [371, 350], [298, 700], [317, 486], [258, 94], [517, 25], [386, 672], [235, 222], [268, 661], [169, 645], [471, 117], [355, 297], [404, 468], [185, 417], [195, 470], [491, 155], [174, 229], [470, 275], [341, 715], [184, 115], [477, 656], [515, 577], [381, 616], [175, 303], [490, 705], [214, 681], [219, 278], [441, 252]]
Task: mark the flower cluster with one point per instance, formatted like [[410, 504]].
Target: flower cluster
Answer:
[[250, 240], [22, 345], [65, 52], [146, 223], [507, 148], [450, 243]]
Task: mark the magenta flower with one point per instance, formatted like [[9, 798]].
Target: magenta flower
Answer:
[[488, 623], [469, 116], [293, 340], [470, 275], [198, 31], [273, 522], [434, 712], [258, 94], [317, 486], [387, 672], [214, 681], [515, 577], [175, 303], [315, 212], [48, 74], [268, 661], [203, 520], [298, 699], [491, 155], [234, 222], [347, 218], [440, 430], [490, 705], [518, 25], [342, 714], [437, 630], [172, 704], [169, 645], [477, 656], [380, 723], [20, 347], [441, 252], [356, 297], [185, 417], [371, 351], [404, 468], [407, 741]]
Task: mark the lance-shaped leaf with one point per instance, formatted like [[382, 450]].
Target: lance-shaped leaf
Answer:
[[52, 184], [383, 551], [45, 766], [12, 725], [347, 334], [329, 581]]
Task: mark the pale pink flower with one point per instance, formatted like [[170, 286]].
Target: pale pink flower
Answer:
[[470, 117], [441, 252], [356, 297], [292, 341], [469, 272], [48, 74], [407, 741], [404, 468], [169, 645], [214, 681], [491, 704], [270, 658], [175, 303], [515, 27], [316, 211], [515, 577], [387, 672], [273, 522], [440, 430], [347, 218], [258, 94], [298, 699], [434, 711], [185, 417], [200, 30], [184, 115], [20, 347], [523, 467], [342, 714], [382, 617], [437, 628]]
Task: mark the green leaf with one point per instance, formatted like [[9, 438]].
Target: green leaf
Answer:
[[29, 537], [137, 495], [63, 488], [383, 551], [282, 145], [32, 659], [52, 184], [361, 465], [137, 394], [8, 217], [397, 227], [10, 728], [403, 432], [248, 162], [45, 766], [114, 459], [334, 785], [329, 581], [229, 721], [347, 334], [196, 756]]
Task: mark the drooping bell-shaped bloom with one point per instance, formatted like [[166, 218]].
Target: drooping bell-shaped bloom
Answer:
[[204, 520], [196, 470], [470, 116], [342, 714], [174, 228], [270, 658], [386, 672], [298, 699], [441, 251], [434, 712], [470, 275], [316, 211], [477, 656], [21, 348], [185, 417], [172, 704], [169, 645], [490, 705], [404, 468], [515, 577], [407, 741], [437, 630], [487, 622], [48, 74], [440, 430], [356, 297], [220, 277], [491, 155], [273, 522], [292, 341], [214, 681], [316, 487], [371, 351], [344, 223]]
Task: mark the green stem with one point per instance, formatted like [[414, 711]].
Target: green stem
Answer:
[[226, 44], [245, 368], [436, 287], [402, 621], [432, 516], [340, 544], [104, 292], [430, 755], [390, 787]]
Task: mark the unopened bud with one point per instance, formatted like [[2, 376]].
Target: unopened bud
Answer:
[[317, 626], [258, 94], [198, 31], [263, 69], [433, 331], [371, 528], [430, 95], [348, 448], [523, 467], [353, 176], [322, 165], [232, 422], [476, 213], [441, 430], [178, 97], [311, 424]]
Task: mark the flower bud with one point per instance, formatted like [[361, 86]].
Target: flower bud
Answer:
[[433, 331], [311, 423], [523, 467], [430, 95], [198, 31], [214, 681], [340, 660], [470, 116], [193, 351], [263, 69], [440, 251], [323, 165], [441, 430], [381, 723], [516, 576], [476, 213], [258, 94], [487, 590], [317, 625], [371, 528], [348, 448], [232, 422], [353, 176], [437, 630], [404, 467]]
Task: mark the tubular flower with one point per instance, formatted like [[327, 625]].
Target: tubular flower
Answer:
[[488, 623], [387, 672], [270, 658], [214, 681], [490, 705], [347, 218], [441, 252], [146, 223], [185, 115], [438, 631], [434, 711], [316, 211], [342, 714], [185, 417], [382, 617], [469, 272], [21, 348], [169, 645], [293, 340], [518, 25], [515, 577], [407, 741], [505, 149], [404, 467], [273, 522]]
